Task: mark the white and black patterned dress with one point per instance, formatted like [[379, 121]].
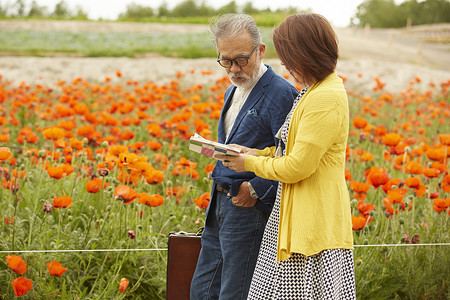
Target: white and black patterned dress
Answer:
[[326, 275]]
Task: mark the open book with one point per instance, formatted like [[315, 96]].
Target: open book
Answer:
[[210, 148]]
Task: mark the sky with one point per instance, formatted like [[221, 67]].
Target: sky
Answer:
[[338, 12]]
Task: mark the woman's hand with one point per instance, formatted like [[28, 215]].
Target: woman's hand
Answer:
[[235, 163], [245, 150]]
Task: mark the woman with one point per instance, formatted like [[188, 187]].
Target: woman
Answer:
[[307, 249]]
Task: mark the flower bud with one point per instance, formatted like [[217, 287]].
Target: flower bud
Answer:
[[47, 207], [131, 234], [103, 172]]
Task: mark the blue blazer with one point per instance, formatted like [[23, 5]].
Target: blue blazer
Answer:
[[256, 125]]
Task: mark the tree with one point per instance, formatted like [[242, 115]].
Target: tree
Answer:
[[385, 13], [249, 9], [36, 10], [230, 8], [20, 8], [80, 14], [163, 11], [61, 10], [136, 11], [187, 8]]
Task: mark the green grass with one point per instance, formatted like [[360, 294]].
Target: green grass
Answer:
[[94, 44]]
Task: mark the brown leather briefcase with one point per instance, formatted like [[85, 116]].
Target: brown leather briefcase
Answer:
[[182, 256]]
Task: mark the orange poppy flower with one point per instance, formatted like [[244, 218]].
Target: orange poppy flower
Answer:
[[127, 135], [364, 207], [17, 264], [53, 133], [431, 172], [62, 202], [153, 200], [55, 172], [348, 175], [391, 139], [55, 268], [396, 196], [94, 185], [125, 193], [359, 187], [123, 285], [154, 145], [4, 138], [441, 204], [435, 154], [377, 177], [358, 223], [5, 153], [446, 184], [413, 167], [203, 200], [359, 122], [412, 182], [76, 144], [21, 286], [445, 139]]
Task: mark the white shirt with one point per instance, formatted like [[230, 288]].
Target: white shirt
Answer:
[[239, 98]]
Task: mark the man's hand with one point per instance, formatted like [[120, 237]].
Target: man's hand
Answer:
[[236, 163], [243, 198]]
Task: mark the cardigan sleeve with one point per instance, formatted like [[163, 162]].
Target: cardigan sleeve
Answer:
[[268, 151], [316, 130]]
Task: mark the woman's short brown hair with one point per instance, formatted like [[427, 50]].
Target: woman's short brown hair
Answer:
[[307, 45]]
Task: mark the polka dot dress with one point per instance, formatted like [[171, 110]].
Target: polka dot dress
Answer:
[[326, 275]]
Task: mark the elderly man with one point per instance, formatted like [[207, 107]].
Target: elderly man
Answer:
[[255, 107]]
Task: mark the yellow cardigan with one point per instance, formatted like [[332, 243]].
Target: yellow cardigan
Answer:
[[315, 205]]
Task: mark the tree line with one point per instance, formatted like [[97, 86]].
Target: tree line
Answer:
[[388, 14], [377, 13]]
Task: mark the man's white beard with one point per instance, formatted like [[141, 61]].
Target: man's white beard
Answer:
[[236, 78]]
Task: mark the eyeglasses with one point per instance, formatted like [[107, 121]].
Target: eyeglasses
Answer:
[[240, 61]]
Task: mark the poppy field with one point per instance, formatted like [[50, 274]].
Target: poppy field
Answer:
[[95, 175]]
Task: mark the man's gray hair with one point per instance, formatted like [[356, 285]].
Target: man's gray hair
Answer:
[[232, 25]]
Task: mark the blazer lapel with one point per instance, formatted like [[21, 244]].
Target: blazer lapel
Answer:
[[221, 126], [253, 98]]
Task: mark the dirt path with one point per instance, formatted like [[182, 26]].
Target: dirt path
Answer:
[[392, 55]]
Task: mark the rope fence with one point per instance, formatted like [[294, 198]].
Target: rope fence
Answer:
[[165, 249]]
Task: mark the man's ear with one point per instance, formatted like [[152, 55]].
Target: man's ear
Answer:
[[262, 50]]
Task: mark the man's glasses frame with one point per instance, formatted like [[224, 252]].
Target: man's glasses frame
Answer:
[[240, 61]]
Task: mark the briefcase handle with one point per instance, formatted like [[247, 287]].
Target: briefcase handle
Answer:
[[198, 233]]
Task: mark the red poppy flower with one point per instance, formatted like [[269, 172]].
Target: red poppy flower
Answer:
[[55, 268], [17, 264], [123, 285], [21, 286]]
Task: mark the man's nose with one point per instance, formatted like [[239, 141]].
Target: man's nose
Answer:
[[235, 67]]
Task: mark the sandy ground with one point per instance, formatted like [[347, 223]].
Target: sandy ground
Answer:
[[395, 56]]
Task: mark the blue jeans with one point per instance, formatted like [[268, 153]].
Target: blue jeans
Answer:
[[230, 246]]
